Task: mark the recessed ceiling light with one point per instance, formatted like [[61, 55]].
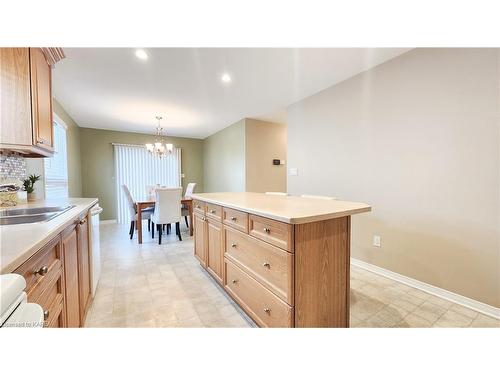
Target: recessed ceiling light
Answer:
[[226, 78], [141, 54]]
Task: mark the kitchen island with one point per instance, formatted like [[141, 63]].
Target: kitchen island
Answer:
[[285, 260]]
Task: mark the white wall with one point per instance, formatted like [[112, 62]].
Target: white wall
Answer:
[[417, 138]]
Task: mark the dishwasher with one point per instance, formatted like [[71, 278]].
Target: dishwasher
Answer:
[[95, 244]]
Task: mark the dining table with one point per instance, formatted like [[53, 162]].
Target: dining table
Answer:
[[149, 201]]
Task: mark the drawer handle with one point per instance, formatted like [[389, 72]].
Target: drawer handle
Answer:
[[198, 206], [235, 281], [266, 264], [42, 271], [267, 310], [46, 314], [233, 218], [40, 141], [267, 230], [233, 245], [212, 211]]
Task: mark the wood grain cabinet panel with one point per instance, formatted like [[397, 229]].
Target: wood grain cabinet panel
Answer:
[[262, 305], [214, 212], [84, 271], [215, 261], [236, 219], [271, 266], [200, 238], [15, 97], [272, 231], [70, 252], [199, 207], [41, 96]]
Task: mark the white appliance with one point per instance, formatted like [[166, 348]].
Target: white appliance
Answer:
[[95, 245], [15, 311]]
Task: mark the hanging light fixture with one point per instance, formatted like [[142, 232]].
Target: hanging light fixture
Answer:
[[159, 148]]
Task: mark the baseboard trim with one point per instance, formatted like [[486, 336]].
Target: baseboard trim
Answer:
[[481, 307], [110, 221]]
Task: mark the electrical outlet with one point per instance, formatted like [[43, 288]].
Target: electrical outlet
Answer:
[[182, 175], [376, 240], [293, 172]]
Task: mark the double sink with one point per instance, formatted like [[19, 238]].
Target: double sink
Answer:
[[31, 215]]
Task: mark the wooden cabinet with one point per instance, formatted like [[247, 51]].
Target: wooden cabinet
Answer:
[[70, 250], [215, 262], [41, 95], [84, 269], [58, 276], [200, 235], [45, 282], [15, 97], [26, 102], [281, 274]]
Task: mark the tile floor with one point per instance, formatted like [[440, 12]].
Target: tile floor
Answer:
[[163, 286]]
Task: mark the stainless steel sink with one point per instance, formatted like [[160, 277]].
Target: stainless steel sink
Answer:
[[31, 215]]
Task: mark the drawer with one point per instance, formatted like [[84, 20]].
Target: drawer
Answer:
[[271, 266], [272, 231], [236, 219], [37, 268], [55, 318], [199, 206], [263, 306], [50, 297], [214, 211]]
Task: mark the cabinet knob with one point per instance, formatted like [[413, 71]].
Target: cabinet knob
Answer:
[[42, 271], [46, 314], [233, 245], [212, 211], [266, 264], [267, 230], [233, 218], [267, 310], [83, 221], [40, 141], [235, 281]]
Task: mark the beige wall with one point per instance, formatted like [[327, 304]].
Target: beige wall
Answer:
[[417, 138], [224, 159], [98, 163], [264, 141], [36, 165]]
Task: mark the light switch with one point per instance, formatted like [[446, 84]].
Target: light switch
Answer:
[[376, 240], [293, 172], [182, 175]]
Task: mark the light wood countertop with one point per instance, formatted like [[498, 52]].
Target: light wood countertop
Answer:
[[288, 209]]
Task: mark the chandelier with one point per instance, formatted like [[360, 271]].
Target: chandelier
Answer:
[[159, 148]]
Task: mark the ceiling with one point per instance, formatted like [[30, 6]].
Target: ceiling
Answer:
[[110, 88]]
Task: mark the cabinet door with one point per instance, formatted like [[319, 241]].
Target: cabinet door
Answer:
[[41, 96], [84, 276], [70, 251], [200, 248], [15, 102], [215, 249]]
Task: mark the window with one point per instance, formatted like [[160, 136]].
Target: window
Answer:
[[137, 168], [56, 167]]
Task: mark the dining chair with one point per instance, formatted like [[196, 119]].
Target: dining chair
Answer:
[[132, 207], [189, 192], [276, 193], [319, 197], [167, 210]]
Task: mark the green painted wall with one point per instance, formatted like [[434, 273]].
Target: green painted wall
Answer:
[[97, 162], [224, 159]]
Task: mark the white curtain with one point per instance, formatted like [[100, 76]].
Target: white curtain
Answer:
[[136, 167]]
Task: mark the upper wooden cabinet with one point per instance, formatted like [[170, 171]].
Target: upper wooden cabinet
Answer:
[[41, 99], [25, 102]]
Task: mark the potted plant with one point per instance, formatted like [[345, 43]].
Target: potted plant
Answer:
[[29, 186]]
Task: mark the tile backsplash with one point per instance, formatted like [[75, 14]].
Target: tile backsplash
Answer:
[[12, 166]]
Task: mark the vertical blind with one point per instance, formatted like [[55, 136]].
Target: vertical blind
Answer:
[[56, 167], [137, 168]]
